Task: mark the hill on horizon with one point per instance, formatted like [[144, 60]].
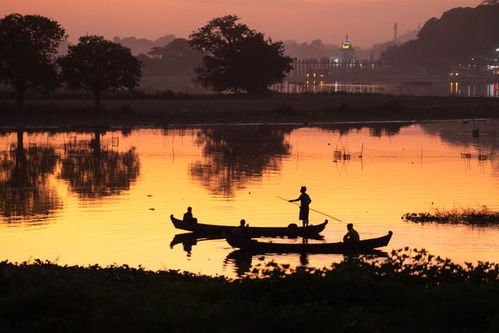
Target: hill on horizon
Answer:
[[459, 36]]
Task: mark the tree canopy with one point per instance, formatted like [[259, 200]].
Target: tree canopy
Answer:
[[98, 65], [28, 47], [238, 58]]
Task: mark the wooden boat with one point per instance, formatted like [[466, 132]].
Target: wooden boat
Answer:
[[210, 229], [362, 246]]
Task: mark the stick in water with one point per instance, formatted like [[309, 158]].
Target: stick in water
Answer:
[[314, 210]]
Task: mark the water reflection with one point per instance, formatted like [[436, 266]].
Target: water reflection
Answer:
[[236, 155], [241, 260], [190, 239], [94, 171], [416, 88], [387, 130], [24, 181], [480, 134]]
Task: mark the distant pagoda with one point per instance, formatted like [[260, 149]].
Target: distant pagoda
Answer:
[[347, 53]]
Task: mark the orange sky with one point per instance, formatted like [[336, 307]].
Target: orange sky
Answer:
[[366, 21]]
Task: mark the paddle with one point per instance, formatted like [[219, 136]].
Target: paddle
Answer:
[[314, 210]]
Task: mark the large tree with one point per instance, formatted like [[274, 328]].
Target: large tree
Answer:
[[98, 65], [28, 47], [238, 58]]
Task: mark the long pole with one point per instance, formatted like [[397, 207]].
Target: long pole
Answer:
[[314, 210]]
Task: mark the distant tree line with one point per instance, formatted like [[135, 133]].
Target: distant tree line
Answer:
[[228, 56], [460, 36], [176, 58]]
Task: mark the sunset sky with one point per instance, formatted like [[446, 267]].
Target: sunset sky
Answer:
[[366, 21]]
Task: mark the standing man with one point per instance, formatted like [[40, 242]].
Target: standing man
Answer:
[[304, 203]]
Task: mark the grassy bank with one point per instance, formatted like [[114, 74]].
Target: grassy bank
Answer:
[[167, 110], [471, 216], [411, 291]]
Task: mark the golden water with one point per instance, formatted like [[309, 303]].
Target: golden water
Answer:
[[70, 198]]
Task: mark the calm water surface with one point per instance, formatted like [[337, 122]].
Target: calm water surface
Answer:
[[106, 197]]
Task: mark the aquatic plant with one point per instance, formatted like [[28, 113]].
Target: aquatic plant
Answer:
[[477, 216]]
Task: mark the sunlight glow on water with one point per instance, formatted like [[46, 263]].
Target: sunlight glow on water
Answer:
[[85, 198]]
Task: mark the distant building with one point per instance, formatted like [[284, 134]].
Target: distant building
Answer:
[[346, 53]]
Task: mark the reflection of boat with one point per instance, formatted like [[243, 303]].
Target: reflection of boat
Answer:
[[362, 246], [291, 230], [242, 260], [191, 238]]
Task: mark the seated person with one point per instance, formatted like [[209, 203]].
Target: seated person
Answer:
[[352, 235], [241, 231], [188, 216]]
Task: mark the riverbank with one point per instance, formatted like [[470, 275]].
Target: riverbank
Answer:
[[280, 108], [411, 291]]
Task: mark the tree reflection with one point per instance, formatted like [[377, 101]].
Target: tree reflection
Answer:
[[94, 172], [24, 186], [388, 129], [375, 130], [234, 156]]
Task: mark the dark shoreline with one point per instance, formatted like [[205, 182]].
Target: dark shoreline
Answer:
[[302, 109], [410, 290]]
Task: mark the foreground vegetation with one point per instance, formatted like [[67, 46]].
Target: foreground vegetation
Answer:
[[414, 291], [170, 109], [471, 216]]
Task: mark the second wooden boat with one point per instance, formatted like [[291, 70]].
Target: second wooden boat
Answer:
[[361, 246]]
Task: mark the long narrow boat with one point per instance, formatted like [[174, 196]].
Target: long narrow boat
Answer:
[[210, 229], [362, 246]]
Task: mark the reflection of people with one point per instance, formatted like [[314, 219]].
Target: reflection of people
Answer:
[[304, 203], [241, 232], [352, 235], [188, 216]]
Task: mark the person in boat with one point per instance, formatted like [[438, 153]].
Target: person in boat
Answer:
[[305, 201], [352, 235], [241, 231], [188, 216]]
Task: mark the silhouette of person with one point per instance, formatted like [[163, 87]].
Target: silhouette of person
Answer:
[[352, 235], [305, 201], [188, 216], [241, 231]]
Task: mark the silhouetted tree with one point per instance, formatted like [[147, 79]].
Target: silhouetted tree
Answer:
[[238, 58], [28, 45], [98, 65]]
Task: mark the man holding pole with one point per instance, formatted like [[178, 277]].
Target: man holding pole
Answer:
[[305, 201]]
